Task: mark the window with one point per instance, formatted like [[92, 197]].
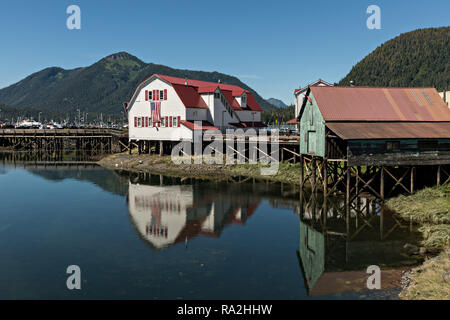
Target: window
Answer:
[[174, 121], [163, 121], [195, 113], [392, 145], [217, 95], [427, 145], [139, 122], [150, 95], [161, 95]]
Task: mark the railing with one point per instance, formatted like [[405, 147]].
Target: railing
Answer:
[[63, 132]]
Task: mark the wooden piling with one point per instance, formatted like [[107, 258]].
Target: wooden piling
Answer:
[[302, 182]]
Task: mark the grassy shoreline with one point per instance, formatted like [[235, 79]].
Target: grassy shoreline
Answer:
[[287, 172], [430, 208]]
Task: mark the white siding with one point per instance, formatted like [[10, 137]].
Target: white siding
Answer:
[[248, 115], [170, 107]]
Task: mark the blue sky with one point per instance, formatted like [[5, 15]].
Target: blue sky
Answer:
[[273, 46]]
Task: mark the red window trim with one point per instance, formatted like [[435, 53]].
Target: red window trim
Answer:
[[135, 122], [170, 121], [165, 94], [178, 121]]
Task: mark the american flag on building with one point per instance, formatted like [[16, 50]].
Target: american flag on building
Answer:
[[155, 108]]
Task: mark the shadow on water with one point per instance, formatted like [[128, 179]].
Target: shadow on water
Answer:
[[316, 248]]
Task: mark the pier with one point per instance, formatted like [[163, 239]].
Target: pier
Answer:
[[95, 140]]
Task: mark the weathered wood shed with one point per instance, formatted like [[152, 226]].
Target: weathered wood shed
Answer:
[[376, 126]]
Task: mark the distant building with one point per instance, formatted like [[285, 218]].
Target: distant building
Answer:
[[445, 95], [375, 126], [165, 108], [299, 95]]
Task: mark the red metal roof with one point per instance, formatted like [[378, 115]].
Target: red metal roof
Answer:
[[210, 89], [200, 87], [205, 85], [252, 103], [390, 130], [204, 126], [380, 104], [190, 97], [231, 100], [293, 121]]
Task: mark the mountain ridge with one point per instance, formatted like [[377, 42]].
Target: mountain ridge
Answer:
[[277, 102], [99, 88], [418, 58]]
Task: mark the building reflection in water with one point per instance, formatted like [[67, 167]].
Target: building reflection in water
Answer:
[[165, 214], [337, 244]]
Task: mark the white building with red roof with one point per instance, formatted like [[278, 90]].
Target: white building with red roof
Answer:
[[165, 108]]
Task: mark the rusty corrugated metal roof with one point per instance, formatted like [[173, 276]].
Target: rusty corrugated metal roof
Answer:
[[390, 130], [380, 104]]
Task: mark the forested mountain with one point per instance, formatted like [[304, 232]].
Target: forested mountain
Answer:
[[101, 87], [278, 115], [419, 58]]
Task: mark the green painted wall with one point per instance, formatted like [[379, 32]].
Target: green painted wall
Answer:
[[311, 254], [367, 147], [312, 129]]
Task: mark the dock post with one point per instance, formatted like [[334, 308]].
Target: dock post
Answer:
[[313, 170], [161, 147], [382, 183], [347, 189], [438, 181], [325, 178], [413, 169], [302, 182]]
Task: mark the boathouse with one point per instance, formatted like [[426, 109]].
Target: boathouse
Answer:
[[356, 136], [376, 126], [164, 108]]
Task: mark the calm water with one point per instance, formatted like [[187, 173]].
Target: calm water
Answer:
[[153, 237]]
